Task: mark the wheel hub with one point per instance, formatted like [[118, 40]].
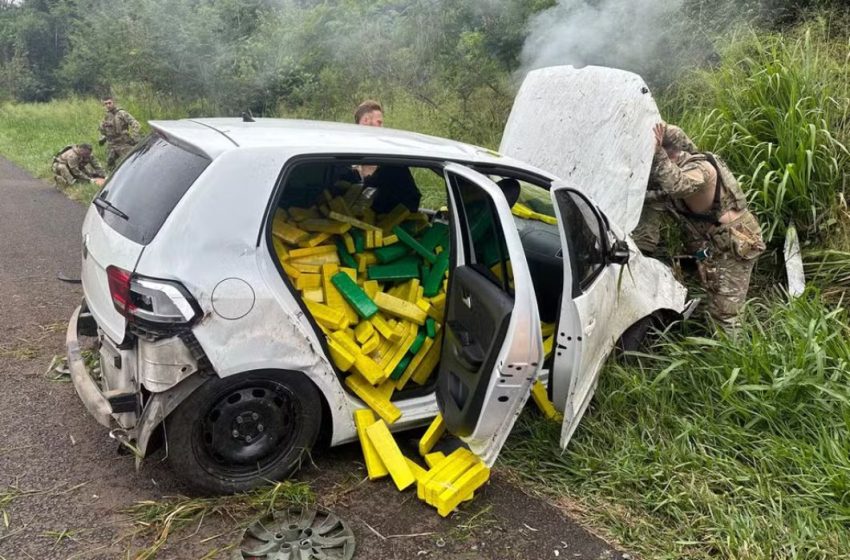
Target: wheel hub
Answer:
[[247, 426], [250, 425]]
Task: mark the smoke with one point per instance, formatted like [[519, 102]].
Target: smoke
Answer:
[[637, 35]]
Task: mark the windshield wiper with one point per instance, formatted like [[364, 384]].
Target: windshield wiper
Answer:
[[104, 204]]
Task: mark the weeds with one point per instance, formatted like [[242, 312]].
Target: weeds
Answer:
[[482, 521], [163, 519], [13, 493], [59, 536], [21, 353], [720, 447]]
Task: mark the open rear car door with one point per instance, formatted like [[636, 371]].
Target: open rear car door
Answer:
[[492, 346]]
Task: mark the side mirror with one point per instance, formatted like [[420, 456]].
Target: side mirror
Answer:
[[619, 253]]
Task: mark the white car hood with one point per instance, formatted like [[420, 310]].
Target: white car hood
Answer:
[[591, 127]]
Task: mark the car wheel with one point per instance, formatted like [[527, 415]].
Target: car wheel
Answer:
[[635, 336], [236, 433]]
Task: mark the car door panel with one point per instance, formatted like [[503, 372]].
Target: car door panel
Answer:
[[586, 324], [479, 314], [492, 345]]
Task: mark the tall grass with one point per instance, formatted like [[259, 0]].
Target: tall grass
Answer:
[[775, 106], [730, 448]]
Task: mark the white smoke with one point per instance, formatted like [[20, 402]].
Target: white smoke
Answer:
[[629, 34]]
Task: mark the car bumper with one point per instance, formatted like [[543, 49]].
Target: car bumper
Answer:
[[93, 398]]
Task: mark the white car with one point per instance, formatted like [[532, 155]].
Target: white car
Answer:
[[200, 333]]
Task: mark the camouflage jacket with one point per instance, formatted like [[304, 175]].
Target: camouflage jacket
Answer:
[[81, 169], [691, 174], [119, 127]]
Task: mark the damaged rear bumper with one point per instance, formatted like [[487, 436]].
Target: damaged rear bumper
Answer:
[[138, 428], [93, 398]]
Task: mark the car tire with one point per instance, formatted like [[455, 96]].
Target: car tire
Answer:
[[237, 433], [635, 336]]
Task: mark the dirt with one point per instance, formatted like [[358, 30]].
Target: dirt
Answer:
[[64, 487]]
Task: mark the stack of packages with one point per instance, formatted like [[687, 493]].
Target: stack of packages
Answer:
[[376, 286]]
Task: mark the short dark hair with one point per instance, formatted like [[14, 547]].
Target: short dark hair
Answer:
[[107, 97], [365, 108], [86, 147]]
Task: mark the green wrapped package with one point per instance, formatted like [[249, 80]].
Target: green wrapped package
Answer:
[[354, 295]]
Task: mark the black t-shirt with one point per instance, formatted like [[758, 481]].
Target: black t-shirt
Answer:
[[395, 186]]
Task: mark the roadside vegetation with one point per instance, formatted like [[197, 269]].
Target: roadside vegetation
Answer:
[[712, 447], [701, 446]]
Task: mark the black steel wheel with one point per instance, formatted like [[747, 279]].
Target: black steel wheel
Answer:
[[237, 433]]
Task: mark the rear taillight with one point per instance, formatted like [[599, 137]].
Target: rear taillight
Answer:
[[149, 300], [119, 289]]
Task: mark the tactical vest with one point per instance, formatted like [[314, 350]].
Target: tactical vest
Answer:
[[112, 130], [727, 192]]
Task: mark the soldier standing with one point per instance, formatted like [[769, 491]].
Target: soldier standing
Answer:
[[75, 164], [705, 196], [119, 130]]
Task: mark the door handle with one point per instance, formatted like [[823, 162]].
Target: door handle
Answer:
[[466, 349]]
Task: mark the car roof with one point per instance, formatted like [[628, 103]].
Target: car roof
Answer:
[[214, 136]]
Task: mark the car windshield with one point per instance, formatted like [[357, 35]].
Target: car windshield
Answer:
[[147, 186]]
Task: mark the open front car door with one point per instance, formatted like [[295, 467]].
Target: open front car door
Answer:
[[608, 287], [492, 346]]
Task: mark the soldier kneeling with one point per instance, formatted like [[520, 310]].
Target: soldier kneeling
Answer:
[[76, 163]]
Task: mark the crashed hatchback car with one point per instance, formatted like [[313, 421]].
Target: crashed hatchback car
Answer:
[[202, 338]]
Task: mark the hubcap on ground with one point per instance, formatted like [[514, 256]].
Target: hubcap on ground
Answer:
[[296, 533]]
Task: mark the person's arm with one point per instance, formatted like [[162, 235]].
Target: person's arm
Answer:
[[679, 182], [672, 181], [75, 166], [133, 126], [96, 169]]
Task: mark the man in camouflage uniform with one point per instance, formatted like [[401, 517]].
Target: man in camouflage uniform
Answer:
[[119, 130], [657, 211], [703, 194], [74, 164]]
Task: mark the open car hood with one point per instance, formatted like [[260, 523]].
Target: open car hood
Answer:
[[591, 127]]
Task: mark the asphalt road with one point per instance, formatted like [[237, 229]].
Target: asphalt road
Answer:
[[64, 487]]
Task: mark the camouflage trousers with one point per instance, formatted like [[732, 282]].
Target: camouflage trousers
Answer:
[[116, 152], [62, 175], [725, 274]]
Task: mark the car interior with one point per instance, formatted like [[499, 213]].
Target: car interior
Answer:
[[477, 308]]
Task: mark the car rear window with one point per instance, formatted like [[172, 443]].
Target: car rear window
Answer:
[[147, 186]]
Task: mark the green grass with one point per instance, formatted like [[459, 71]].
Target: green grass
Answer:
[[31, 134], [709, 447], [715, 447]]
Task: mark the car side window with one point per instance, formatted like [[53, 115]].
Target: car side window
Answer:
[[484, 242], [584, 233]]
